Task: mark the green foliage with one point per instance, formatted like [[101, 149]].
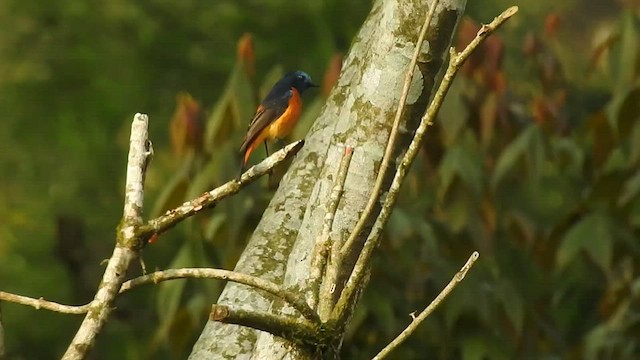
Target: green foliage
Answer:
[[542, 179], [534, 162], [71, 77]]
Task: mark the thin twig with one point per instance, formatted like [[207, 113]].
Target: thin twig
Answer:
[[171, 274], [323, 243], [295, 299], [288, 327], [416, 321], [209, 199], [330, 279], [127, 244], [159, 276], [391, 144], [43, 304], [132, 235], [455, 62]]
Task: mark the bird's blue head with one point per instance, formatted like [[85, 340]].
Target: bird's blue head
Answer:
[[300, 80]]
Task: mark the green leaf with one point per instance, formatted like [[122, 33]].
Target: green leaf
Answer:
[[634, 145], [456, 110], [215, 223], [528, 144], [401, 225], [593, 234], [461, 208], [482, 347], [474, 348], [625, 53], [570, 156], [429, 239], [513, 305], [462, 162], [629, 113], [232, 112], [616, 161], [170, 292], [219, 125], [173, 193], [270, 79], [630, 189], [210, 174], [596, 340]]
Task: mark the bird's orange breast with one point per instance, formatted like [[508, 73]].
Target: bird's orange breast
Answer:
[[283, 125]]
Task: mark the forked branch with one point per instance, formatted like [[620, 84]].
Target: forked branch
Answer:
[[417, 320], [456, 60], [285, 326]]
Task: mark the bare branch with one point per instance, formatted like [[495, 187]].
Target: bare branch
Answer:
[[43, 304], [416, 321], [127, 245], [455, 62], [159, 276], [388, 152], [209, 199], [323, 243], [296, 300], [288, 327]]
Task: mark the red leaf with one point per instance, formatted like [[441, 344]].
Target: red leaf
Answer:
[[186, 126], [551, 24], [246, 55], [332, 74]]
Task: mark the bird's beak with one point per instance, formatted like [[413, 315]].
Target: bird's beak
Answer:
[[313, 85]]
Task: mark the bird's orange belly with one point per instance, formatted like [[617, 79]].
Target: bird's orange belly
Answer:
[[283, 126]]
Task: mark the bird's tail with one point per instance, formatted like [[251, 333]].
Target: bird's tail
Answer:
[[241, 169], [246, 149]]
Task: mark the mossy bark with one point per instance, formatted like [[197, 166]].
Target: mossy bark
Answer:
[[359, 113]]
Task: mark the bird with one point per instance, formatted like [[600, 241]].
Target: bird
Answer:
[[277, 114]]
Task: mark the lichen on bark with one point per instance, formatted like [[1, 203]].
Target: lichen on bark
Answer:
[[358, 113]]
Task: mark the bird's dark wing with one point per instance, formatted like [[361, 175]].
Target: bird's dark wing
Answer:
[[270, 110]]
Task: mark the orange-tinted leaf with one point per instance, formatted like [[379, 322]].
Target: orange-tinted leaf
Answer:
[[488, 116], [246, 55], [540, 110], [499, 83], [232, 113], [186, 125], [551, 24], [332, 74], [467, 31], [489, 215], [173, 192], [531, 45], [493, 54], [602, 136], [599, 53]]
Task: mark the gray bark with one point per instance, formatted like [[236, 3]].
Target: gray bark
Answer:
[[359, 113]]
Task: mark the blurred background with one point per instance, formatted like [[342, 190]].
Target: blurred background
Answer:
[[534, 162]]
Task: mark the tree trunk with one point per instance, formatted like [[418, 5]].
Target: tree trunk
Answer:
[[359, 113]]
